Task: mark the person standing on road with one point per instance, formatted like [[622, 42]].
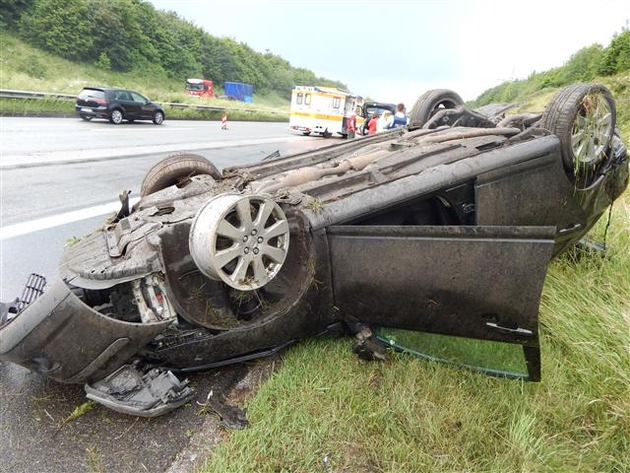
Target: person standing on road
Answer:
[[385, 122], [400, 118], [372, 126], [351, 124]]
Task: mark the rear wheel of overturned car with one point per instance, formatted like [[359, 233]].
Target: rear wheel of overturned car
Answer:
[[116, 117], [158, 118], [583, 117], [242, 240], [431, 102], [174, 170]]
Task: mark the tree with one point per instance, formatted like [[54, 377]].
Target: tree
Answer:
[[12, 10], [126, 35], [59, 26], [179, 46], [583, 65], [117, 32], [616, 57]]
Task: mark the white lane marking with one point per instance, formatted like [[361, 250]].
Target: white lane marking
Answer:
[[152, 129], [18, 229], [8, 161]]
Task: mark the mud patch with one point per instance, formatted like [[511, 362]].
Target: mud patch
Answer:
[[236, 385]]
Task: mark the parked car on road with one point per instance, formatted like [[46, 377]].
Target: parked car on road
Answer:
[[117, 105], [368, 109], [444, 227]]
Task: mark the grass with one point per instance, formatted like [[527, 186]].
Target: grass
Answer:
[[326, 410]]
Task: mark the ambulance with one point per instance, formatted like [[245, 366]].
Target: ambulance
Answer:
[[321, 110]]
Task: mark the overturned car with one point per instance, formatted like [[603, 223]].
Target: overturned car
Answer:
[[444, 227]]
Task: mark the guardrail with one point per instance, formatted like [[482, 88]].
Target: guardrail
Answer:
[[25, 94]]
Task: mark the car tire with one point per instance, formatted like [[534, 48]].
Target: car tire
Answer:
[[241, 240], [116, 116], [87, 118], [431, 102], [158, 118], [583, 117], [306, 133], [174, 169]]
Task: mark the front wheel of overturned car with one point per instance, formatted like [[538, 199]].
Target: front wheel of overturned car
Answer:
[[174, 170], [431, 102], [242, 240], [158, 118], [116, 117], [583, 117]]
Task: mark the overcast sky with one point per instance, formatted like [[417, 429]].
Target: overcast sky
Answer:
[[395, 50]]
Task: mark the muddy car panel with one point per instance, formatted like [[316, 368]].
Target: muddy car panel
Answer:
[[463, 281]]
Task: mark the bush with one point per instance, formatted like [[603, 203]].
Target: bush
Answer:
[[616, 58], [103, 62]]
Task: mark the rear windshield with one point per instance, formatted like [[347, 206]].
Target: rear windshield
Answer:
[[91, 94], [371, 110]]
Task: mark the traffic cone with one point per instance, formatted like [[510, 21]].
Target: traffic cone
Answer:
[[224, 122]]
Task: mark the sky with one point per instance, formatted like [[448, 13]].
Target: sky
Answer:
[[393, 51]]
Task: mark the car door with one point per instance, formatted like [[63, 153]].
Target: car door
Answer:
[[143, 112], [477, 282], [127, 103]]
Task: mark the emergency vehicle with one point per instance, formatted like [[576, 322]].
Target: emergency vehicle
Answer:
[[321, 110], [199, 87]]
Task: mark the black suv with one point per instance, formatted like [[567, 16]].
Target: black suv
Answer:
[[117, 105]]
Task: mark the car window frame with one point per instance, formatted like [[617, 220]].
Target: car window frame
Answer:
[[134, 95]]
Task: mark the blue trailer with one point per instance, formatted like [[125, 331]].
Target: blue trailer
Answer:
[[239, 91]]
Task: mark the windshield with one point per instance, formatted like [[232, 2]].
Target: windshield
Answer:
[[371, 110], [194, 87], [489, 357], [87, 94]]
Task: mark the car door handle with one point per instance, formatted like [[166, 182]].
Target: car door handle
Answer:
[[570, 228], [517, 330]]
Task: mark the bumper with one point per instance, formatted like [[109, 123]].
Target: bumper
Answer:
[[91, 112], [61, 337], [300, 129]]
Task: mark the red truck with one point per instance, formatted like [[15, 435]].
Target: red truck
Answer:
[[199, 87]]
